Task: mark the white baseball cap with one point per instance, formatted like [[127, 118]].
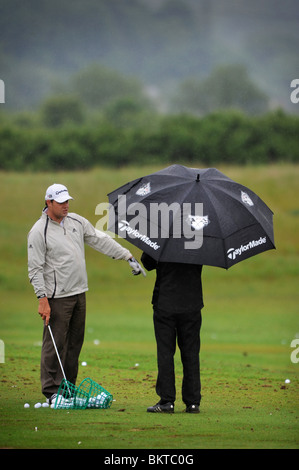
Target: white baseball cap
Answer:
[[58, 193]]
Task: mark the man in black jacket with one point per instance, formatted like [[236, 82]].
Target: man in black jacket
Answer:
[[177, 303]]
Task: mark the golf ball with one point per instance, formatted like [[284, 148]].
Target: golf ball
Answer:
[[37, 405], [26, 405], [45, 405], [287, 381], [84, 363]]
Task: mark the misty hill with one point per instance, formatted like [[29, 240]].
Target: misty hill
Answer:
[[161, 42]]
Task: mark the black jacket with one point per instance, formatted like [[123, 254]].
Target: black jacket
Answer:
[[178, 287]]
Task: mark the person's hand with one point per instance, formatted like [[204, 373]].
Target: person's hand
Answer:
[[44, 309], [136, 268]]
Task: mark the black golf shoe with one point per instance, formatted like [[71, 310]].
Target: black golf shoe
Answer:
[[192, 409], [158, 408]]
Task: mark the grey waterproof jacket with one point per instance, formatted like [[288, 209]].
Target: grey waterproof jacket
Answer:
[[56, 254]]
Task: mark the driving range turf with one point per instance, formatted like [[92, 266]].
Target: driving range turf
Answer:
[[250, 319]]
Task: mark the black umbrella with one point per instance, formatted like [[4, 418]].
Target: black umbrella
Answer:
[[190, 215]]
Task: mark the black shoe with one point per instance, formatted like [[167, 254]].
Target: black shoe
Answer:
[[192, 409], [158, 408]]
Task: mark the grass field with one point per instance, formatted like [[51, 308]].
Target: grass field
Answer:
[[249, 320]]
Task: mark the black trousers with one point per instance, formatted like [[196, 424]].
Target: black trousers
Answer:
[[183, 328], [67, 323]]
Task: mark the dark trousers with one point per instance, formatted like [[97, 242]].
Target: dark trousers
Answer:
[[185, 330], [67, 323]]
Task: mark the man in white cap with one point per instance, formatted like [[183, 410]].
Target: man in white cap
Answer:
[[57, 271]]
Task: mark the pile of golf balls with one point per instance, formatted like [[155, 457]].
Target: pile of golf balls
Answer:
[[100, 401], [37, 405]]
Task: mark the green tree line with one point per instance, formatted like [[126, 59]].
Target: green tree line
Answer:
[[100, 117], [216, 138]]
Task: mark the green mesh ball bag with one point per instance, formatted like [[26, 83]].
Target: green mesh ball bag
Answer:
[[70, 397], [98, 396], [89, 394]]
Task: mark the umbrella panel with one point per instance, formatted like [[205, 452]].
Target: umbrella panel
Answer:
[[237, 223]]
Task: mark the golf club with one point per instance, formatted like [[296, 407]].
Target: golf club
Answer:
[[60, 363]]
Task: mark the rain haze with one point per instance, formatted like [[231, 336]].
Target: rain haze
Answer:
[[46, 46]]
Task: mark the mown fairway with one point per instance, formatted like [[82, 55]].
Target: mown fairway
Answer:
[[249, 320]]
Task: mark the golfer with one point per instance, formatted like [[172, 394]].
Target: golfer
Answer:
[[177, 303], [57, 271]]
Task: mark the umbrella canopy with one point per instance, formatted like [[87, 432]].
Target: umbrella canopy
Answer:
[[189, 215]]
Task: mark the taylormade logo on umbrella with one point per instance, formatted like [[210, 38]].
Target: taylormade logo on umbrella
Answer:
[[124, 225], [232, 253]]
